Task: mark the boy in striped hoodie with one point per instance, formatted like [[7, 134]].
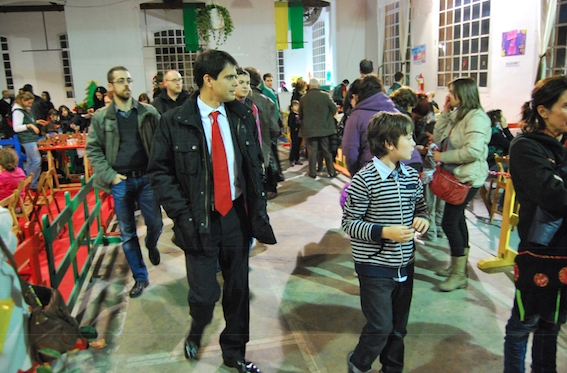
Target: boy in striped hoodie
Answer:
[[385, 209]]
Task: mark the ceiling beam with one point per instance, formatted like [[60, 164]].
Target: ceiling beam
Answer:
[[176, 5], [32, 8]]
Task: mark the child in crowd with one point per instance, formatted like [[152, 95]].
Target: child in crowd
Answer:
[[384, 210], [52, 124], [10, 173], [435, 205], [293, 123]]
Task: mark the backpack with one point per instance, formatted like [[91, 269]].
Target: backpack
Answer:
[[338, 93]]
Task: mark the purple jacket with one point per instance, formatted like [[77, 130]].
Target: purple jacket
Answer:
[[355, 145]]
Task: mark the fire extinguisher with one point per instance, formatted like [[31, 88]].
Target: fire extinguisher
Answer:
[[420, 82]]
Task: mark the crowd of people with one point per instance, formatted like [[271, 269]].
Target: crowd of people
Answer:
[[210, 159]]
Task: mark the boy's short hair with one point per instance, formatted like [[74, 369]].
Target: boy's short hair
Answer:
[[52, 112], [387, 128]]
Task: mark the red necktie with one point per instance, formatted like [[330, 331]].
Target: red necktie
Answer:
[[221, 179]]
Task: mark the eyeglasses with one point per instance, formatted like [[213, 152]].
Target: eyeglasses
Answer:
[[122, 81], [175, 80]]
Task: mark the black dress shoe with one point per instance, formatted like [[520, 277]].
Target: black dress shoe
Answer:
[[138, 288], [243, 366], [191, 349], [154, 256]]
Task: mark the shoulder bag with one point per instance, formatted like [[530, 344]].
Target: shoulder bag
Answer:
[[51, 326], [446, 186]]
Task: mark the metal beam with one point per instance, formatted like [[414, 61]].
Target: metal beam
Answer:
[[177, 5], [32, 8]]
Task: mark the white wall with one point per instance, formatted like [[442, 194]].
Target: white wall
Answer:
[[508, 87], [113, 34], [104, 36], [352, 37], [42, 69]]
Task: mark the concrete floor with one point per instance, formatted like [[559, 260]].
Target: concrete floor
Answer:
[[305, 310]]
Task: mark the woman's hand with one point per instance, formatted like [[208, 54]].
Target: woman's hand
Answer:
[[33, 128], [447, 105], [437, 156]]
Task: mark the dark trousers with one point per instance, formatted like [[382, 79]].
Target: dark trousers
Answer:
[[314, 145], [295, 145], [455, 226], [386, 305], [230, 238]]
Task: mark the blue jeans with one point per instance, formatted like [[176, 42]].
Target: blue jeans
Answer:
[[33, 162], [385, 304], [125, 193], [544, 346]]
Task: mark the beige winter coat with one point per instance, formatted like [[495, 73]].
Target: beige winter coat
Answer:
[[469, 138]]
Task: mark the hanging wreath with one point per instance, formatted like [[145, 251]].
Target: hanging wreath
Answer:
[[214, 20]]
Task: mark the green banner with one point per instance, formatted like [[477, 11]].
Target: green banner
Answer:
[[296, 24], [190, 27]]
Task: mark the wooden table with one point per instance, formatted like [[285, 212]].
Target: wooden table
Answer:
[[62, 143]]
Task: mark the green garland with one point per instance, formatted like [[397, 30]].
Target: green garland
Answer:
[[205, 28]]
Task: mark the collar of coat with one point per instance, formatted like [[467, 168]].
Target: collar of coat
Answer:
[[188, 113]]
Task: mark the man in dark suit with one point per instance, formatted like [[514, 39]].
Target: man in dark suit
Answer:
[[206, 168]]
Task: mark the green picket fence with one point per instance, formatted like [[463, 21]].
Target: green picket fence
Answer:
[[79, 237]]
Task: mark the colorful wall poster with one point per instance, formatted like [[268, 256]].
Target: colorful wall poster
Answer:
[[513, 43], [418, 54]]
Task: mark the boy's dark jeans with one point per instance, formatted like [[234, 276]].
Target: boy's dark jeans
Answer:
[[385, 304]]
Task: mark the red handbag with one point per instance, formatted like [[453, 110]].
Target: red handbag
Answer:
[[447, 187]]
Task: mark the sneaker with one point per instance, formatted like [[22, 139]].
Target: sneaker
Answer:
[[299, 163]]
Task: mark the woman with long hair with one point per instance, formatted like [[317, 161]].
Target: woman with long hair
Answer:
[[536, 156], [463, 132], [28, 134]]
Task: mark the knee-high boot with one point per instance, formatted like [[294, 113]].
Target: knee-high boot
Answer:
[[458, 278], [446, 272]]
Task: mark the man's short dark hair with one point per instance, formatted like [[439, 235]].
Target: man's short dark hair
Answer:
[[255, 79], [27, 88], [387, 128], [211, 62], [366, 66], [398, 76], [346, 82], [267, 75], [110, 75]]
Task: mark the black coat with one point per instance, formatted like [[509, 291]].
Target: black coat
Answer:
[[180, 172], [164, 103], [534, 161]]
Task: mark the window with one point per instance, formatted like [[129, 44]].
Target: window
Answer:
[[319, 63], [281, 75], [464, 28], [7, 64], [558, 42], [171, 55], [393, 61], [66, 63]]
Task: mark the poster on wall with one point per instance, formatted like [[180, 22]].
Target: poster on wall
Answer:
[[418, 54], [513, 43]]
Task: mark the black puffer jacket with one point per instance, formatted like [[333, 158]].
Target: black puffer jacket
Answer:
[[180, 172]]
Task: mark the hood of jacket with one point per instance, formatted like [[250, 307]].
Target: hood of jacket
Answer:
[[375, 103]]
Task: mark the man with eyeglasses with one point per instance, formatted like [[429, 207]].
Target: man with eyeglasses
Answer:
[[206, 168], [173, 95], [118, 147]]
